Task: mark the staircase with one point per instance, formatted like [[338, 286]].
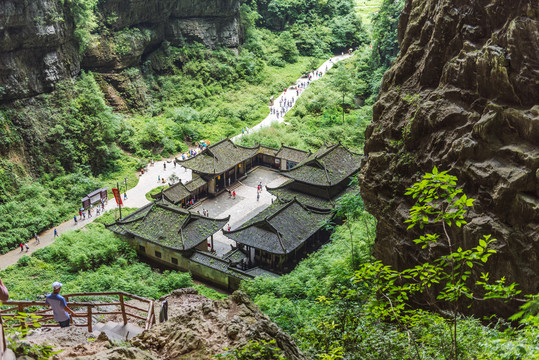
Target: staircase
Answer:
[[117, 332]]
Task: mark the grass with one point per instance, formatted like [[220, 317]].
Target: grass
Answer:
[[218, 112], [316, 118], [154, 191]]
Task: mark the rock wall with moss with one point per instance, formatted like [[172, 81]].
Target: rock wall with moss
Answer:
[[39, 44], [462, 95]]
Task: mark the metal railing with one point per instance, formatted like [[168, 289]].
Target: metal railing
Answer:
[[15, 307]]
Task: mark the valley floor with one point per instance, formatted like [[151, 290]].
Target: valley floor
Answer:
[[152, 178]]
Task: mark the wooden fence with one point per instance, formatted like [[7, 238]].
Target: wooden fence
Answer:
[[40, 308]]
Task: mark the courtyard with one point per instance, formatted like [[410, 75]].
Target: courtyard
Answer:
[[244, 206]]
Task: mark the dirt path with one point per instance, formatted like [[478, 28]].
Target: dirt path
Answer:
[[136, 197]]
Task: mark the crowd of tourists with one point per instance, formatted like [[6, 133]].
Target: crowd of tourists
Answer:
[[91, 210]]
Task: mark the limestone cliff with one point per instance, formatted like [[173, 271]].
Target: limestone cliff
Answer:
[[38, 47], [463, 95]]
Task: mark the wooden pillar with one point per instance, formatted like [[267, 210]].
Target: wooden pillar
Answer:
[[20, 309], [122, 306], [211, 243], [90, 325]]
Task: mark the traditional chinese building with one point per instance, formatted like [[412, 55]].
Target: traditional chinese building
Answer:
[[182, 194], [281, 235], [324, 174], [179, 239], [294, 226], [270, 243], [168, 227], [221, 164]]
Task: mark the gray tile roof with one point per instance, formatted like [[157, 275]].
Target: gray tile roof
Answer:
[[218, 158], [180, 191], [281, 228], [291, 154], [327, 167], [284, 193], [219, 264], [267, 150], [168, 226]]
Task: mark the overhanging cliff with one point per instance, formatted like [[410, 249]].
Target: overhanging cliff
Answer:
[[463, 95], [38, 47]]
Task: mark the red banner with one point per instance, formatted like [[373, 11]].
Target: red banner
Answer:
[[117, 196]]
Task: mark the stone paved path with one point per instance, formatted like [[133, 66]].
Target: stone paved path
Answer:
[[289, 95], [136, 197]]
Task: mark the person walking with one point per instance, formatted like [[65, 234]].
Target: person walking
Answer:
[[234, 194], [37, 238], [59, 306], [26, 246], [75, 218], [22, 247], [56, 233]]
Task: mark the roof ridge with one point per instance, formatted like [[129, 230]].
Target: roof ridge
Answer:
[[151, 208], [281, 186], [279, 237], [173, 208], [269, 217], [181, 237], [326, 172]]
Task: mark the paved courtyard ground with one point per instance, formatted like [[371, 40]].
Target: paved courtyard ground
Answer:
[[244, 207]]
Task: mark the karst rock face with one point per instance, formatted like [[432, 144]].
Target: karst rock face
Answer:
[[38, 47], [463, 95]]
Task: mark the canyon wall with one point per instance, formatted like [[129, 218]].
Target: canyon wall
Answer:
[[38, 47], [463, 95]]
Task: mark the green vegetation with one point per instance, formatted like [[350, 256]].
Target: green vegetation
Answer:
[[318, 27], [83, 12], [255, 350], [155, 191], [317, 117], [334, 312], [92, 259], [19, 330]]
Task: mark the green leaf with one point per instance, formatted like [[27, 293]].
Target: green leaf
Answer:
[[483, 243]]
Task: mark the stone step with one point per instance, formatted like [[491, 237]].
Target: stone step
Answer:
[[117, 331]]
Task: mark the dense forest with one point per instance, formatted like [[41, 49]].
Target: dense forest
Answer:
[[75, 140]]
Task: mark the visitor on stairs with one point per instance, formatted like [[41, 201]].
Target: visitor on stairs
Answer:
[[59, 305]]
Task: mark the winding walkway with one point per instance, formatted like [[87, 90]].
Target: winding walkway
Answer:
[[136, 197], [291, 96]]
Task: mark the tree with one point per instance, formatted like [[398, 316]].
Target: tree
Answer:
[[448, 278], [351, 208], [384, 33], [342, 82], [287, 47]]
